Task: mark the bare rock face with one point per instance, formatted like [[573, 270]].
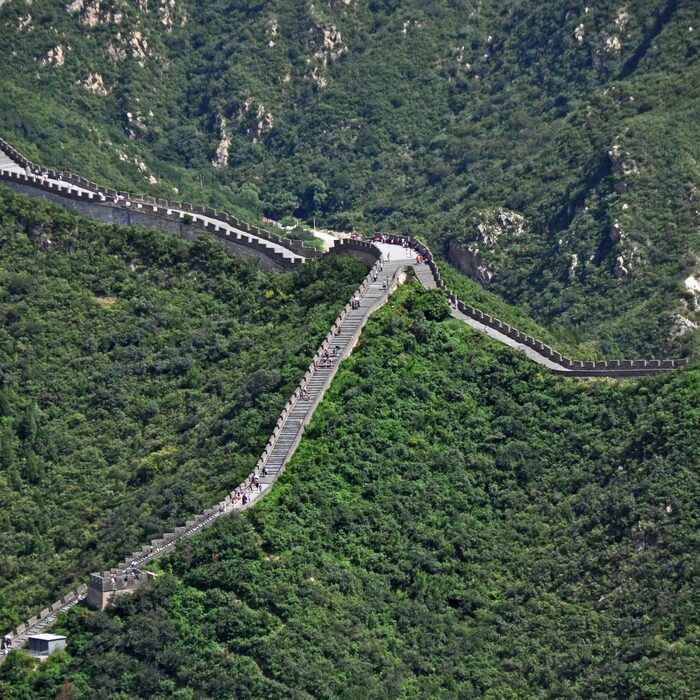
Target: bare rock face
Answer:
[[497, 230], [621, 162], [95, 83], [116, 53], [468, 261], [255, 120], [499, 224], [330, 50], [620, 270], [692, 285], [573, 266], [610, 43], [680, 326], [170, 15], [94, 14], [55, 57], [76, 6], [220, 159]]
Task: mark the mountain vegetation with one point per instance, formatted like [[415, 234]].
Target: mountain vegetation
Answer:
[[140, 376], [558, 139], [456, 523]]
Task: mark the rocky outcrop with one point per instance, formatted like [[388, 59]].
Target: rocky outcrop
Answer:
[[55, 57], [573, 266], [610, 43], [330, 51], [94, 14], [95, 83], [220, 159], [622, 166], [497, 230], [171, 15], [255, 121], [680, 326], [620, 270], [468, 261]]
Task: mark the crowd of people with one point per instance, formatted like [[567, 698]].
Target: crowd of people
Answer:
[[245, 493]]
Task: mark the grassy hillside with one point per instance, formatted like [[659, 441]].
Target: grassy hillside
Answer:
[[456, 523], [140, 376], [440, 118]]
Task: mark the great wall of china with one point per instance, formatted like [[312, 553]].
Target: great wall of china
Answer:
[[390, 266]]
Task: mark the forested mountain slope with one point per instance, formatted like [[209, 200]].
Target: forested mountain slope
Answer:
[[140, 376], [558, 139], [456, 523]]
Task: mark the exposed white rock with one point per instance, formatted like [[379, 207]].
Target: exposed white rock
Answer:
[[579, 33], [95, 83], [91, 16], [152, 180], [620, 270], [220, 159], [692, 284], [55, 57], [167, 12], [255, 120], [499, 223], [319, 80], [621, 161], [332, 49], [410, 23], [612, 44], [573, 266], [25, 23], [680, 326], [116, 53], [135, 118], [497, 229], [139, 45], [622, 19], [93, 13]]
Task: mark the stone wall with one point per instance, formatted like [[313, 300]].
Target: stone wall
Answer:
[[298, 247], [569, 367], [127, 575], [138, 214]]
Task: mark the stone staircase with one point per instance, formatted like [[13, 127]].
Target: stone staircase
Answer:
[[381, 281]]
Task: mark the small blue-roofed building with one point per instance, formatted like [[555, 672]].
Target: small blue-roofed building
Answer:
[[45, 644]]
